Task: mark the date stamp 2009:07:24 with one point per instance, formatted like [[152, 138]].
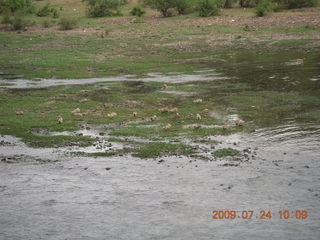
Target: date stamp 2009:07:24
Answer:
[[263, 214]]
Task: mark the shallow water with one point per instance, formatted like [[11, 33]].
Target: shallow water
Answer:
[[78, 198], [48, 194], [152, 77]]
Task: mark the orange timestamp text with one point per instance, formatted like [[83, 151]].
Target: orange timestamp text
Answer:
[[263, 214]]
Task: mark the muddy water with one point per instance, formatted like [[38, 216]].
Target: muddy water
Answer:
[[47, 194], [152, 77], [124, 197]]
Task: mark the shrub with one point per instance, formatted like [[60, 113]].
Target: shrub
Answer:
[[46, 23], [6, 19], [14, 22], [47, 10], [103, 8], [264, 7], [163, 6], [248, 3], [19, 23], [55, 13], [67, 23], [301, 3], [137, 11], [23, 6], [182, 6], [208, 8], [228, 3]]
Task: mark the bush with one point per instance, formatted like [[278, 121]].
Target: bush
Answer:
[[208, 8], [163, 6], [19, 23], [6, 19], [46, 23], [228, 3], [137, 11], [103, 8], [264, 7], [301, 3], [182, 6], [13, 6], [47, 10], [248, 3], [67, 23]]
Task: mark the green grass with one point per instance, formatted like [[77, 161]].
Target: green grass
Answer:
[[224, 152], [151, 150]]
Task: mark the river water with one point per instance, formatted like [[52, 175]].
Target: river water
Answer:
[[48, 194]]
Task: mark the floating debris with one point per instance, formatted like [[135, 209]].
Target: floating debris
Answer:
[[167, 127], [295, 62], [239, 122], [165, 86], [19, 112], [112, 115], [197, 126], [190, 116], [225, 127], [77, 110], [199, 100], [60, 120], [173, 110], [83, 100], [205, 111], [153, 118], [164, 110]]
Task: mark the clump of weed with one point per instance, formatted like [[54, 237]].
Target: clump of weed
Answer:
[[224, 152], [137, 11], [67, 23]]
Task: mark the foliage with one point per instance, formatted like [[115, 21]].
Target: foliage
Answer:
[[228, 3], [19, 23], [23, 6], [264, 7], [183, 5], [137, 11], [46, 23], [163, 6], [301, 3], [47, 10], [224, 152], [103, 8], [208, 8], [67, 23], [14, 22], [248, 3]]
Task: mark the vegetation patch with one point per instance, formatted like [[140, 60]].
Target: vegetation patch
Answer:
[[151, 150], [225, 152]]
